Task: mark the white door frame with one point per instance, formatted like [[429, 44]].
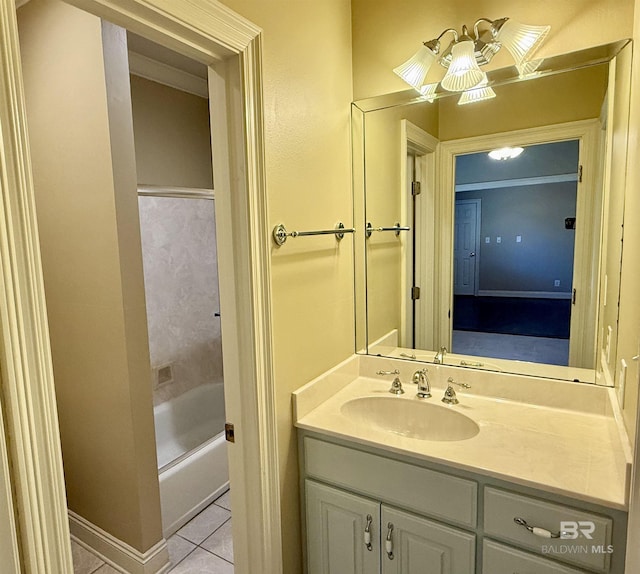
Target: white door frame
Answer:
[[423, 146], [582, 345], [231, 46]]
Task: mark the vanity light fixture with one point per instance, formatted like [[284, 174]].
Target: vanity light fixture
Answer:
[[468, 51], [479, 93], [505, 153]]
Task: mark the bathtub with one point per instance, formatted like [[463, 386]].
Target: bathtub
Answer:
[[193, 467]]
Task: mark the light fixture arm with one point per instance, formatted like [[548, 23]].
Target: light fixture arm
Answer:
[[434, 45]]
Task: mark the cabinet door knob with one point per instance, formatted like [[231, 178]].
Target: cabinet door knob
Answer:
[[388, 543], [367, 533]]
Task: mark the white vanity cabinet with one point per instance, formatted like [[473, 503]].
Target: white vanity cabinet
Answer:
[[441, 520], [350, 534]]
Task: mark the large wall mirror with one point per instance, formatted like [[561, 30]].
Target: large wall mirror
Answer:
[[512, 264]]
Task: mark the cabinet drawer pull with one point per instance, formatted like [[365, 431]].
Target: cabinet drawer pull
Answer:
[[388, 543], [367, 533], [541, 532]]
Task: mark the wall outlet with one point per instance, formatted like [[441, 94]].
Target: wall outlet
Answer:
[[556, 283], [487, 239], [498, 239]]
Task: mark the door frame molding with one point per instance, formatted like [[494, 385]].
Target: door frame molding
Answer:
[[582, 346], [414, 140], [232, 48]]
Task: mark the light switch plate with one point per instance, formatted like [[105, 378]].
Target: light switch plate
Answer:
[[498, 239], [518, 238]]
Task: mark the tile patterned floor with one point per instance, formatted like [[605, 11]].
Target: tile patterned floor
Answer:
[[202, 546]]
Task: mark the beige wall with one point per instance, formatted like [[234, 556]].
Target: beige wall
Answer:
[[384, 207], [172, 136], [307, 91], [569, 97], [629, 326], [385, 33], [84, 175]]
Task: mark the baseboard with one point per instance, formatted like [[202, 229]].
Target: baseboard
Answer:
[[524, 294], [116, 553]]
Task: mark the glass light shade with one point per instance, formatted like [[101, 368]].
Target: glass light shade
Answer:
[[415, 69], [463, 72], [521, 40], [505, 153], [429, 92], [477, 94], [529, 68]]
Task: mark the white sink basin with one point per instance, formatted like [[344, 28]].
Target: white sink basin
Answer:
[[411, 418]]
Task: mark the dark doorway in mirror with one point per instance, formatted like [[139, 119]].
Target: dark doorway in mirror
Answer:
[[513, 315], [513, 253]]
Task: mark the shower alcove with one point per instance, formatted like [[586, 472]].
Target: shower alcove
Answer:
[[170, 108]]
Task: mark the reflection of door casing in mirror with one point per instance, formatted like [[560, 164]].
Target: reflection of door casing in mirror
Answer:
[[418, 319], [584, 312]]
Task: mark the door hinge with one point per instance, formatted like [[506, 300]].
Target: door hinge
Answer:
[[229, 432], [579, 174], [415, 188], [573, 297], [415, 293]]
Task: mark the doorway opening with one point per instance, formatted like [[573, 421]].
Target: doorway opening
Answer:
[[514, 246], [122, 158]]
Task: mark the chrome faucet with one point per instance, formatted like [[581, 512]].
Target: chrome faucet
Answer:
[[439, 358], [396, 386], [463, 385], [450, 396], [421, 378]]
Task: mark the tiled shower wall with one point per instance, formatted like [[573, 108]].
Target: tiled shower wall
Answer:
[[181, 287]]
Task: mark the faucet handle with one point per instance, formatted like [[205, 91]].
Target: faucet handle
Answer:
[[396, 387], [396, 372], [450, 396], [463, 385]]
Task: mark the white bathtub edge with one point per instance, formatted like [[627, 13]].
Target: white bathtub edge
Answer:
[[182, 487]]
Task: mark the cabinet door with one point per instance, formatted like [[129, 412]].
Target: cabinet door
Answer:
[[421, 546], [337, 522]]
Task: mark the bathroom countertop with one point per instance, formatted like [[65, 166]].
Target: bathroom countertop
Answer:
[[568, 452]]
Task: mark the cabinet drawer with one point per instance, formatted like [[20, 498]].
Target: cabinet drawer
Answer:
[[586, 545], [422, 490], [499, 559]]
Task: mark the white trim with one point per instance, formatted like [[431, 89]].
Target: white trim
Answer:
[[519, 182], [117, 553], [9, 551], [213, 34], [28, 393], [167, 75], [524, 294], [423, 146], [589, 198]]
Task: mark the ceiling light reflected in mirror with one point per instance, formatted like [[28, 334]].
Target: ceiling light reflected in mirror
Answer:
[[505, 153]]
